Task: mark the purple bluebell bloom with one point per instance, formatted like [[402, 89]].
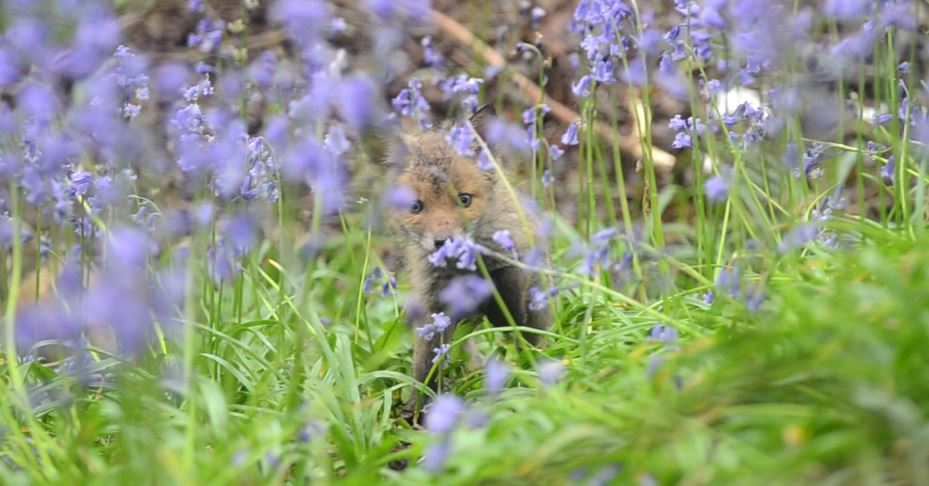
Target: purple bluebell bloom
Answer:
[[464, 294], [716, 188], [663, 334], [581, 88], [358, 102], [304, 20], [443, 415], [484, 162], [547, 178], [496, 376], [570, 136], [538, 298], [682, 140], [441, 321], [463, 250], [888, 171], [437, 454], [441, 353], [550, 371], [461, 138], [798, 236], [400, 198], [505, 240]]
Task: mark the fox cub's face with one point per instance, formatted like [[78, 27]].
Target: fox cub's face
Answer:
[[452, 195]]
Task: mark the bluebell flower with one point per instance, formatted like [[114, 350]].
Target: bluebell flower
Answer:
[[682, 140], [484, 162], [581, 88], [570, 136], [441, 353], [441, 321], [430, 55], [464, 294], [208, 35], [437, 454], [310, 430], [426, 331], [888, 171], [304, 20], [507, 136], [241, 232], [663, 334], [505, 240], [547, 178], [798, 236], [550, 371], [677, 123], [538, 298], [716, 188], [496, 375], [372, 279], [358, 102], [461, 138], [400, 198], [463, 250], [443, 415], [603, 72]]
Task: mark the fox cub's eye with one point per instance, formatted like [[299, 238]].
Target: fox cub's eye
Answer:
[[417, 207], [465, 199]]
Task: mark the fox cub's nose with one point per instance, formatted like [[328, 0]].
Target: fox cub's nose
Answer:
[[439, 242]]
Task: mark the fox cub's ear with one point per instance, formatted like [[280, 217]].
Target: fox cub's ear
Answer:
[[481, 115]]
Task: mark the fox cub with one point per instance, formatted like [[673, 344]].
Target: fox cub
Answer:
[[455, 199]]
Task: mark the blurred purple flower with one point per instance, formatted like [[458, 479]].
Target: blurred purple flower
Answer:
[[496, 376], [436, 455], [888, 171], [410, 102], [129, 246], [441, 321], [635, 73], [505, 240], [443, 415], [663, 334], [716, 188], [581, 89], [550, 371], [45, 322], [603, 71], [388, 10], [463, 250], [507, 136], [570, 136], [538, 298], [682, 140], [241, 232], [11, 68], [441, 353], [431, 56], [208, 35], [798, 236], [310, 430], [303, 20], [464, 294], [461, 139], [224, 267], [484, 162], [358, 103], [847, 9]]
